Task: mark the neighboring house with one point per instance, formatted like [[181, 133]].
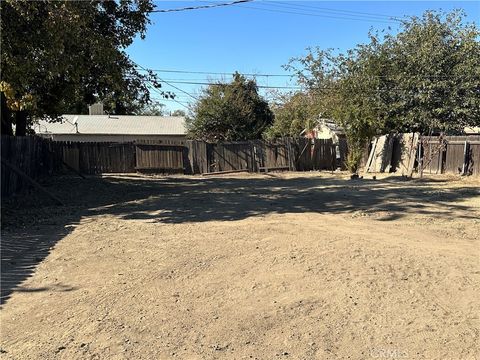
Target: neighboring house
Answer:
[[472, 130], [326, 129], [114, 128]]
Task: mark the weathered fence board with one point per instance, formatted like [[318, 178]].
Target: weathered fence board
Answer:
[[98, 158], [323, 155], [275, 155], [197, 155], [432, 154], [160, 158], [37, 157], [29, 154], [474, 155], [226, 156]]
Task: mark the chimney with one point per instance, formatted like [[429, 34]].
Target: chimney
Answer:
[[95, 109]]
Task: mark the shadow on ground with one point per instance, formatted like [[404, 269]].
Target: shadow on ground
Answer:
[[178, 200], [31, 225]]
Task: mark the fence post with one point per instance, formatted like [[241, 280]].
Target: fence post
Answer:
[[420, 156], [466, 159]]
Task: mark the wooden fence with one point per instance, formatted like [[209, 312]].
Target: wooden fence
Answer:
[[451, 155], [31, 156], [405, 153], [97, 158], [258, 155], [36, 157], [160, 158]]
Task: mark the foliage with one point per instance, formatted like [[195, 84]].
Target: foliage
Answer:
[[153, 108], [425, 78], [293, 114], [354, 157], [230, 111], [64, 55], [179, 113]]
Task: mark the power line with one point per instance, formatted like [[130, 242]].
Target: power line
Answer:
[[174, 100], [181, 90], [335, 11], [215, 73], [397, 90], [271, 75], [351, 17], [200, 7], [222, 84], [166, 82]]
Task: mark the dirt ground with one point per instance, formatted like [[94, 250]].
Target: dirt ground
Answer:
[[279, 266]]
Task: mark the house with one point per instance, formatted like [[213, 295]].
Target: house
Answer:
[[114, 128], [472, 130], [327, 129]]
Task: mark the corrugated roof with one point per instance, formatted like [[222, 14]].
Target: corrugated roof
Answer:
[[114, 125]]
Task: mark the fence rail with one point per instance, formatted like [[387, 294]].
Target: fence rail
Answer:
[[37, 157], [404, 153], [451, 155]]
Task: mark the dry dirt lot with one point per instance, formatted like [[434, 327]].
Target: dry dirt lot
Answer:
[[283, 266]]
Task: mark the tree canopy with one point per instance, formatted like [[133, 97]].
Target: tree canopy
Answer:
[[424, 78], [60, 56], [178, 112], [153, 108], [230, 111]]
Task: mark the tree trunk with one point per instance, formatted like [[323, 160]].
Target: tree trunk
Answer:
[[21, 123], [6, 117]]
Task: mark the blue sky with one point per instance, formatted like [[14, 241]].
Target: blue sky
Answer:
[[261, 36]]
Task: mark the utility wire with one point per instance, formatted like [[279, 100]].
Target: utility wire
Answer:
[[335, 11], [222, 84], [174, 100], [181, 90], [402, 91], [200, 7], [167, 82], [216, 73], [274, 75], [394, 89], [352, 17]]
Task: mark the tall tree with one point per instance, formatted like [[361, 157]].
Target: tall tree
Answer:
[[59, 56], [425, 78], [293, 114], [154, 108], [179, 112], [230, 111]]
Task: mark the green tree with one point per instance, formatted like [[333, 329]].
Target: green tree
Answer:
[[60, 56], [425, 78], [179, 113], [230, 111], [153, 108], [293, 114]]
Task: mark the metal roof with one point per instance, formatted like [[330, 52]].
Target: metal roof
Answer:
[[114, 125]]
